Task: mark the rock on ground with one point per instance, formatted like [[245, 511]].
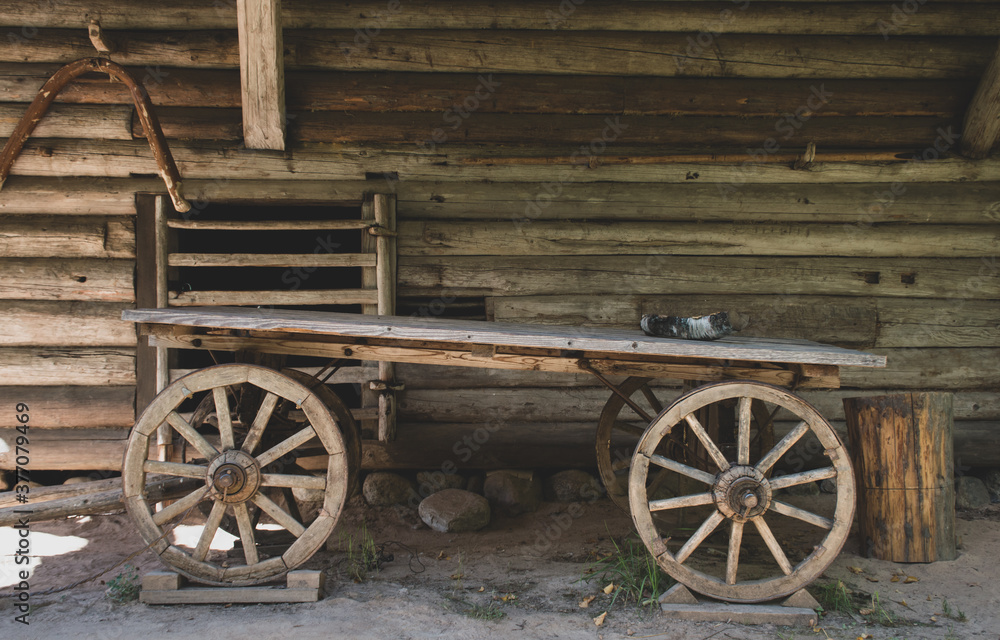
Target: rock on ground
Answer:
[[455, 510], [992, 481], [382, 489], [572, 485], [970, 493], [513, 492]]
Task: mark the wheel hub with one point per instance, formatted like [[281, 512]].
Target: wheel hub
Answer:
[[741, 493], [233, 477]]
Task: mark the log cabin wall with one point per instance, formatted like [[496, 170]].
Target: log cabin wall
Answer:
[[565, 162]]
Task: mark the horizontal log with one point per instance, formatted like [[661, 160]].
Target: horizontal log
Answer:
[[76, 407], [55, 237], [268, 298], [66, 324], [157, 488], [931, 368], [967, 18], [54, 492], [75, 279], [551, 238], [208, 161], [107, 122], [860, 322], [51, 366], [271, 260], [958, 278], [860, 204], [67, 449], [308, 91], [563, 52]]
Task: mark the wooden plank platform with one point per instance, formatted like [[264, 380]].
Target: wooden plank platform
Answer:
[[402, 330], [167, 587]]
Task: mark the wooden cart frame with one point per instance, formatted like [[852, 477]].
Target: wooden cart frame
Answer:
[[254, 425]]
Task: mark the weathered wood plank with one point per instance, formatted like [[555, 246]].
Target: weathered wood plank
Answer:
[[71, 407], [982, 120], [956, 322], [968, 18], [74, 279], [269, 298], [78, 196], [271, 260], [52, 366], [56, 237], [308, 91], [66, 324], [551, 238], [624, 275], [60, 449], [207, 161], [109, 122], [564, 52], [262, 73], [931, 368]]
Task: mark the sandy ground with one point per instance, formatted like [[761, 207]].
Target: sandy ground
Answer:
[[437, 582]]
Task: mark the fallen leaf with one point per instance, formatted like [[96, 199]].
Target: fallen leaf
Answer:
[[457, 576], [442, 556], [910, 579], [586, 602], [933, 618], [866, 612], [609, 588], [629, 632], [481, 589], [895, 579], [871, 579], [903, 602], [510, 597], [855, 569], [599, 620]]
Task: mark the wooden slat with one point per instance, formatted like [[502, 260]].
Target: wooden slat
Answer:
[[74, 279], [565, 52], [308, 91], [971, 17], [111, 122], [257, 298], [55, 237], [271, 260], [982, 120], [52, 366], [71, 407], [404, 330], [267, 225], [551, 238], [66, 324], [60, 449], [262, 73]]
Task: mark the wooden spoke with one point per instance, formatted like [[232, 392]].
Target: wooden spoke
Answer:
[[169, 513], [193, 438], [208, 533], [291, 480], [693, 500], [782, 447], [260, 422], [743, 431], [786, 509], [733, 558], [286, 520], [793, 479], [699, 536], [246, 532], [225, 420], [772, 544], [706, 441], [286, 446], [174, 469], [683, 469], [652, 399]]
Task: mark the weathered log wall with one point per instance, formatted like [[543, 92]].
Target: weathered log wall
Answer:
[[582, 169]]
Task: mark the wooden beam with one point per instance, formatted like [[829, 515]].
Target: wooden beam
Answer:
[[39, 236], [28, 323], [71, 407], [53, 366], [94, 279], [262, 73], [982, 120]]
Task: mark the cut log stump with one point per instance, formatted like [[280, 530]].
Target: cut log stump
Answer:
[[902, 451]]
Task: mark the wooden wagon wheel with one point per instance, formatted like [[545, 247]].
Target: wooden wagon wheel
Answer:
[[236, 468], [621, 426], [737, 491]]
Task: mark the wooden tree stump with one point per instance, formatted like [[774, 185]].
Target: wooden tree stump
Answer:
[[902, 451]]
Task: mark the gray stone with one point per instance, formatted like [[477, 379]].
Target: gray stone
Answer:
[[430, 482], [513, 492], [971, 493], [828, 486], [992, 481], [572, 485], [382, 489], [455, 510], [807, 489]]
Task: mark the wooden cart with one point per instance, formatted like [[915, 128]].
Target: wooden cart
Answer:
[[710, 453]]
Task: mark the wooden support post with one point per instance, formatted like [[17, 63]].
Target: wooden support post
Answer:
[[262, 73], [369, 281], [901, 446], [982, 119], [385, 277]]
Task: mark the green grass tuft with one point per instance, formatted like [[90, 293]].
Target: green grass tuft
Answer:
[[125, 586], [636, 575]]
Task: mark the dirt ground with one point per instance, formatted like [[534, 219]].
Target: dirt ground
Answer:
[[523, 577]]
